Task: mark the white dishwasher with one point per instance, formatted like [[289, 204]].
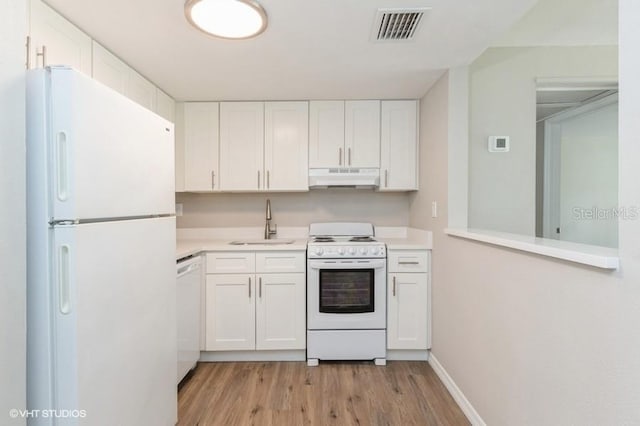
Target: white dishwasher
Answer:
[[188, 312]]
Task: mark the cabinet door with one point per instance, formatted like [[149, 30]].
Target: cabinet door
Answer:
[[165, 106], [109, 69], [231, 314], [65, 43], [326, 134], [200, 127], [280, 311], [399, 146], [242, 146], [113, 72], [140, 90], [286, 146], [408, 311], [362, 133]]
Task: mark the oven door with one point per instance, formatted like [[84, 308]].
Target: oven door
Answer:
[[346, 294]]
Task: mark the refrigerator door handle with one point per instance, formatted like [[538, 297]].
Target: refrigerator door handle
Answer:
[[64, 278], [62, 166]]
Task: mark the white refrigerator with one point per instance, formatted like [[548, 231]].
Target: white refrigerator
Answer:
[[101, 321]]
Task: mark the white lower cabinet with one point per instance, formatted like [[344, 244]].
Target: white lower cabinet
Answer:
[[408, 300], [231, 312], [280, 311], [260, 307]]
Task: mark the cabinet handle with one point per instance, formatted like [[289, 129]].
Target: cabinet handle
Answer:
[[28, 46], [386, 178], [394, 286], [44, 56], [268, 180], [258, 179], [349, 153], [249, 287], [409, 263], [260, 287], [339, 156], [213, 179]]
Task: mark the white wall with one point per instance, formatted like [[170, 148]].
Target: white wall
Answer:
[[12, 210], [294, 209], [530, 340], [503, 102]]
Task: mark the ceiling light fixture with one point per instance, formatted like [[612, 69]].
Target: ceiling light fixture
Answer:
[[231, 19]]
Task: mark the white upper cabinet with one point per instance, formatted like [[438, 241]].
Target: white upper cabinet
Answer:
[[344, 134], [362, 134], [141, 90], [399, 146], [56, 41], [286, 143], [241, 146], [113, 72], [197, 145], [326, 134], [165, 106], [109, 70]]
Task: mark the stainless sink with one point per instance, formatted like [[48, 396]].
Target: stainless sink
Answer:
[[260, 242]]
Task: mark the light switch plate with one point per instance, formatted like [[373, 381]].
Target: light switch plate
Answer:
[[434, 209]]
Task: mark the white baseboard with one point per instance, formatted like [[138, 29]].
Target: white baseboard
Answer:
[[456, 393], [241, 356], [407, 355]]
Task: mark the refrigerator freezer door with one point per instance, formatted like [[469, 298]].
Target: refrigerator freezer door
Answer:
[[113, 313], [108, 156]]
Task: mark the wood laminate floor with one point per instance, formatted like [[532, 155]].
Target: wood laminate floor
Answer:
[[334, 393]]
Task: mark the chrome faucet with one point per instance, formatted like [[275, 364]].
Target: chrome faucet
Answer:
[[268, 232]]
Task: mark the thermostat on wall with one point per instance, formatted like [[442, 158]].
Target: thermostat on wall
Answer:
[[498, 143]]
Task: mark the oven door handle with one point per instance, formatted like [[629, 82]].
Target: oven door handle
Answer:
[[347, 264]]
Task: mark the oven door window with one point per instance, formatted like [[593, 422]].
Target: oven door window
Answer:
[[347, 291]]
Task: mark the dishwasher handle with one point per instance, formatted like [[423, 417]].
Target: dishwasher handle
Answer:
[[184, 270]]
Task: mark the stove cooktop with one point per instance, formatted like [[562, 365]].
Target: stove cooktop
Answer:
[[343, 239]]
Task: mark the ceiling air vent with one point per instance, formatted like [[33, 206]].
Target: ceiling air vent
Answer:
[[397, 24]]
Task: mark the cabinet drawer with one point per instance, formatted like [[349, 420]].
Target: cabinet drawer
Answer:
[[408, 261], [280, 261], [231, 263]]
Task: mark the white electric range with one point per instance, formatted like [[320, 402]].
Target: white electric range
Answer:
[[346, 293]]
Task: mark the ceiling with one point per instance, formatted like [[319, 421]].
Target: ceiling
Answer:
[[310, 50], [565, 23]]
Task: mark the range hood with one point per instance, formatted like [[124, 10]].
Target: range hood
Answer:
[[343, 177]]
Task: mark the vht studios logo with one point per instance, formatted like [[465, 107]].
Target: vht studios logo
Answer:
[[47, 414], [597, 213]]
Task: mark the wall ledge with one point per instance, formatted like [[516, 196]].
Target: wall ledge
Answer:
[[599, 257]]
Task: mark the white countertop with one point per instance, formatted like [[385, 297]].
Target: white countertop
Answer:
[[190, 247], [192, 241]]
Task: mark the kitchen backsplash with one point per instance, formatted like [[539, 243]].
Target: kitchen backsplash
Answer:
[[293, 209]]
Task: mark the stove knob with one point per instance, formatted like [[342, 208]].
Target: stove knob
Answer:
[[341, 251], [319, 251], [363, 250], [374, 250], [352, 251]]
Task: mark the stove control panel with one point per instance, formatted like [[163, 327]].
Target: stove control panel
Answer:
[[329, 251]]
